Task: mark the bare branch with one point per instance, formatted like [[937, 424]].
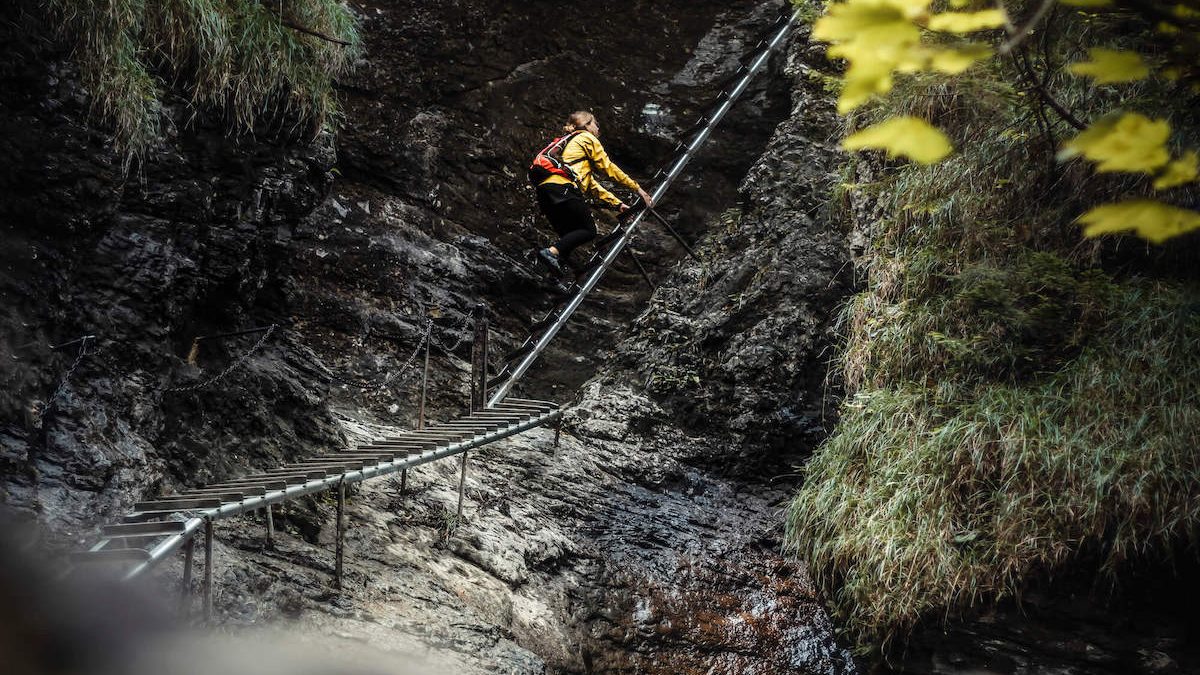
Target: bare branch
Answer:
[[309, 31], [1017, 35]]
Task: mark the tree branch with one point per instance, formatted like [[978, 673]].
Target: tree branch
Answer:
[[1026, 70], [301, 29], [309, 31], [1017, 35]]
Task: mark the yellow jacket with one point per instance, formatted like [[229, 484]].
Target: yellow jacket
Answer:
[[585, 146]]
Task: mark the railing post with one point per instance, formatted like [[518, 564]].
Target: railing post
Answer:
[[479, 375], [339, 550], [208, 569], [424, 378], [185, 590], [270, 526], [424, 398], [479, 354]]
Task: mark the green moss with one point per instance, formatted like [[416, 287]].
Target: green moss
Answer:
[[239, 58]]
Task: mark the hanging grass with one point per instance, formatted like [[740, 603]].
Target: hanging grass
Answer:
[[246, 60]]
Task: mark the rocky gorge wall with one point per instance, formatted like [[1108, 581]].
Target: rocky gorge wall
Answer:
[[615, 552]]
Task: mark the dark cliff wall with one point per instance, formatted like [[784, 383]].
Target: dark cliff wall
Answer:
[[190, 240], [416, 207], [622, 551]]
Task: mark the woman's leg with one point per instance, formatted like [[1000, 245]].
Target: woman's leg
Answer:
[[574, 225]]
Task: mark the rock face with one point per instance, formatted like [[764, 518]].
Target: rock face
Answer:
[[648, 541], [189, 242]]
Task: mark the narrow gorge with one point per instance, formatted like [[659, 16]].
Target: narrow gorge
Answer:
[[651, 536]]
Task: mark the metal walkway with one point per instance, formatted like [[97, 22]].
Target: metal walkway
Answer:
[[157, 528]]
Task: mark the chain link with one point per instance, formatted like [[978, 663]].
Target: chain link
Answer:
[[426, 337], [62, 384], [229, 369], [466, 320], [399, 374]]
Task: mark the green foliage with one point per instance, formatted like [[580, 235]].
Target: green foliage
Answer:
[[941, 491], [243, 58], [883, 39], [1010, 408]]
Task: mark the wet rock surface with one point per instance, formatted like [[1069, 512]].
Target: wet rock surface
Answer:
[[605, 556]]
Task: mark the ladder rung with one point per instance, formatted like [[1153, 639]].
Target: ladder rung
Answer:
[[591, 266], [539, 326], [398, 455], [247, 491], [224, 494], [285, 473], [607, 239], [499, 413], [370, 458], [178, 504], [160, 527], [328, 464], [529, 403], [518, 353], [266, 484]]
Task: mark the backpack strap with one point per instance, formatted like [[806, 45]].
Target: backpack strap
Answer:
[[570, 137]]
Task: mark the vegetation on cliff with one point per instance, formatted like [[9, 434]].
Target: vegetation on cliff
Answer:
[[243, 59], [1018, 397]]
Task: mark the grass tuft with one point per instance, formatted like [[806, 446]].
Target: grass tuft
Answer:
[[238, 58]]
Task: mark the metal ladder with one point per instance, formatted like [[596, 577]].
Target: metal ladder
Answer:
[[518, 361]]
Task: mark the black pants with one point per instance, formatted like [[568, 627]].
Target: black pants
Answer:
[[569, 215]]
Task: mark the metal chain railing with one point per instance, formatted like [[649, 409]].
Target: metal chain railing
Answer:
[[228, 369], [87, 347], [62, 383], [464, 335], [403, 370]]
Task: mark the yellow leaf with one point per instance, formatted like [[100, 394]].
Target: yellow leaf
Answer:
[[1184, 12], [1108, 66], [1131, 142], [871, 67], [1087, 3], [903, 137], [911, 8], [966, 22], [959, 4], [956, 60], [1182, 170], [1151, 220], [849, 20], [861, 83]]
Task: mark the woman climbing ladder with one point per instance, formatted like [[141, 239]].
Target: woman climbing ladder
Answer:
[[571, 175]]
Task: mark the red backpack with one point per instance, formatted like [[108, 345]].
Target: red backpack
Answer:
[[549, 161]]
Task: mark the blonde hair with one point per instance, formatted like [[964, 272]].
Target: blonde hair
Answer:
[[578, 120]]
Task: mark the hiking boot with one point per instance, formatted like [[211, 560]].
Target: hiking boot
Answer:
[[549, 260]]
